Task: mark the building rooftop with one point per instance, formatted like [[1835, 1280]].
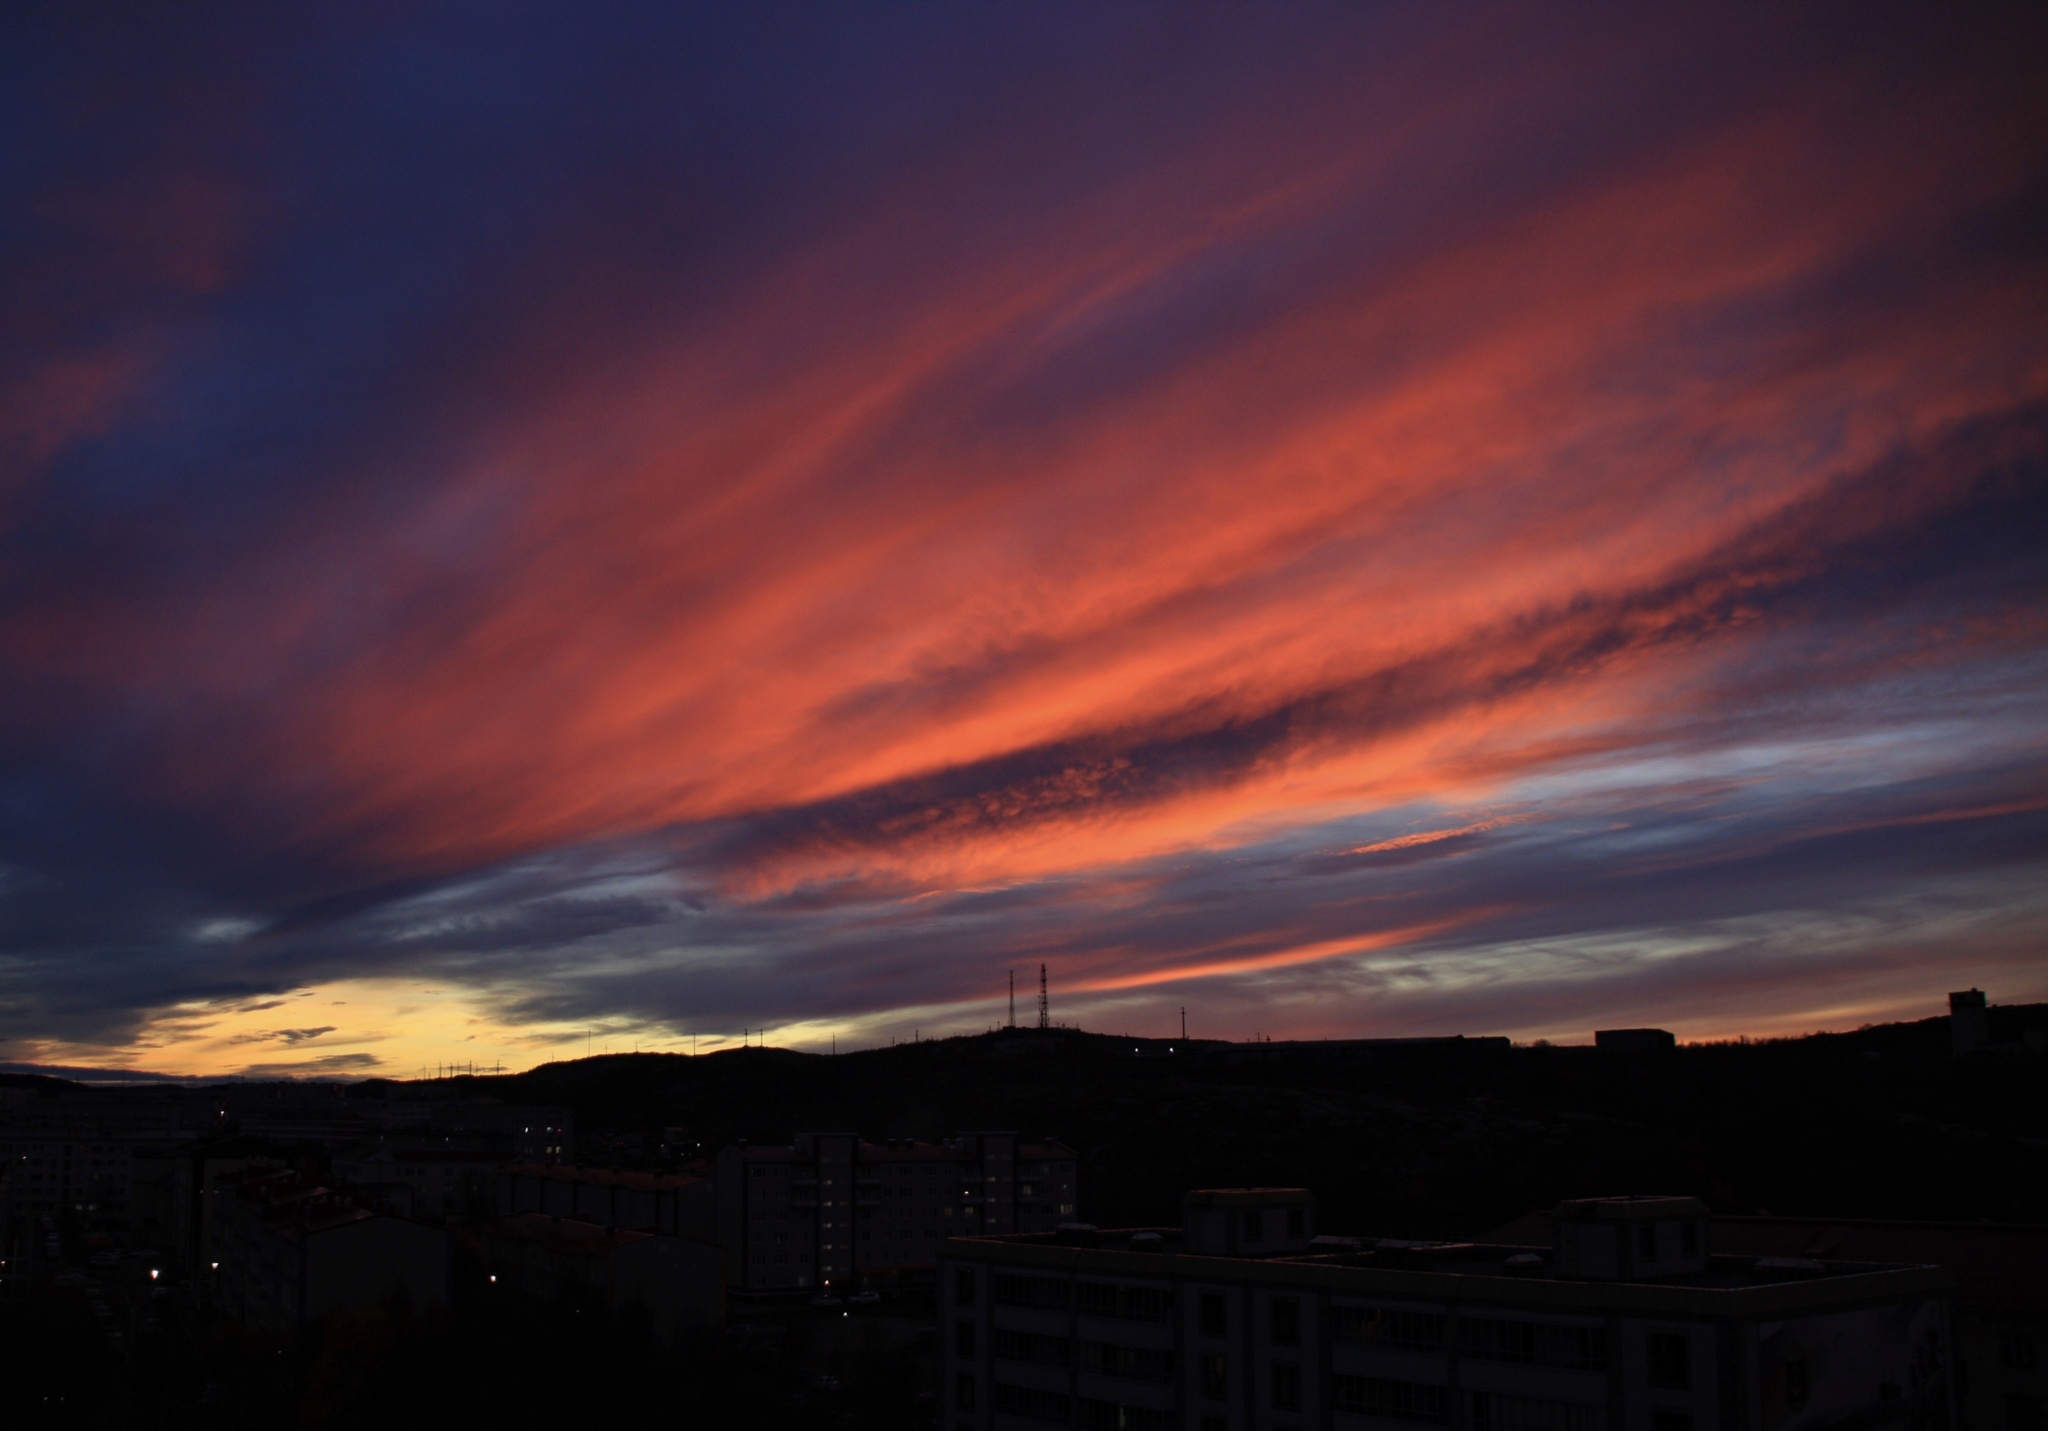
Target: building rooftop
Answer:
[[564, 1234], [1994, 1264], [603, 1177], [1500, 1272]]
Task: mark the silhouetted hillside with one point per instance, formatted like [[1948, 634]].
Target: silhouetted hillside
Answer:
[[1426, 1139]]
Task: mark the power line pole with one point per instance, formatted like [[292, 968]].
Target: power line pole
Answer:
[[1044, 1004], [1013, 1000], [1183, 1023]]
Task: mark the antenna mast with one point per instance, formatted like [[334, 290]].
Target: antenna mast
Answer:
[[1044, 1006], [1013, 1000]]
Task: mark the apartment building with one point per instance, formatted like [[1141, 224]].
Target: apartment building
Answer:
[[609, 1197], [679, 1284], [288, 1250], [832, 1206], [432, 1184], [1999, 1324], [526, 1133], [1245, 1319], [76, 1151]]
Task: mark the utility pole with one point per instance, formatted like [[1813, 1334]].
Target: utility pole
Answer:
[[1183, 1023], [1013, 1000], [1044, 1004]]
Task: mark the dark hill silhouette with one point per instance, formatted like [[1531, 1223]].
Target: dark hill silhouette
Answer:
[[1427, 1139]]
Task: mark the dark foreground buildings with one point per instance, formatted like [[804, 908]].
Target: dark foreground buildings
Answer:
[[832, 1208], [1999, 1326], [1243, 1319]]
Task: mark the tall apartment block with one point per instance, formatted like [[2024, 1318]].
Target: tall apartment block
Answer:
[[832, 1206], [1243, 1319]]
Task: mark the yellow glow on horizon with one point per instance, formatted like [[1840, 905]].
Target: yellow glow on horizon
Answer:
[[352, 1028]]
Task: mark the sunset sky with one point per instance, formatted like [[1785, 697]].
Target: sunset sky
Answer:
[[530, 528]]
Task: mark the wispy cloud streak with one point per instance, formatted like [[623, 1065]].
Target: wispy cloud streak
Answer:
[[1195, 499]]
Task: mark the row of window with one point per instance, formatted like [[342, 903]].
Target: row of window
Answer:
[[1480, 1338], [1060, 1409], [1135, 1363], [1389, 1399]]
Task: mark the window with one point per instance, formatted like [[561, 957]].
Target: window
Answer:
[[1670, 1361], [1215, 1316], [1646, 1242], [1392, 1400], [1215, 1369], [1131, 1304], [1109, 1416], [1795, 1382], [1032, 1404], [1494, 1340], [963, 1340], [1029, 1346], [1015, 1291], [963, 1286], [1286, 1316], [1533, 1343], [1663, 1418], [1139, 1363], [1286, 1386], [1297, 1224], [1215, 1423], [1254, 1225], [1689, 1238], [1496, 1411], [963, 1391], [1379, 1326], [2022, 1413], [2016, 1350]]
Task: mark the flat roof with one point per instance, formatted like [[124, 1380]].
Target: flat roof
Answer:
[[1995, 1264]]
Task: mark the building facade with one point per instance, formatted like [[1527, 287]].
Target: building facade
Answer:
[[831, 1207], [1626, 1323], [290, 1250], [609, 1197], [677, 1283], [2000, 1319]]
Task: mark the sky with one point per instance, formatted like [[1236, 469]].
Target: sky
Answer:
[[530, 529]]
